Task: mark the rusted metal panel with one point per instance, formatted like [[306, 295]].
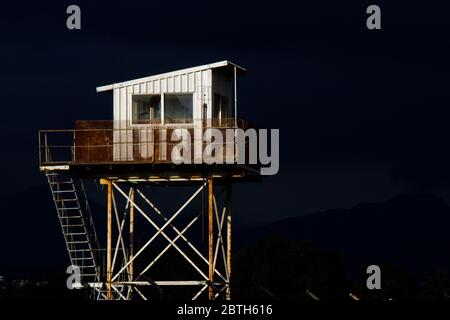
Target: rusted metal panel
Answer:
[[93, 141]]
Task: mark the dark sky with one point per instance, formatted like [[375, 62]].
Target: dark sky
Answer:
[[363, 115]]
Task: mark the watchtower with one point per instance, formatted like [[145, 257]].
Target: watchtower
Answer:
[[136, 152]]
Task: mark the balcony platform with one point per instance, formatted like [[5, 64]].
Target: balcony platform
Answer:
[[95, 149], [157, 173]]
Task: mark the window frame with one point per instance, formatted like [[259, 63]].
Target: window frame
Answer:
[[163, 122], [146, 124]]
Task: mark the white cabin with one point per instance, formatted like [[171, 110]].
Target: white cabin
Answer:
[[202, 96]]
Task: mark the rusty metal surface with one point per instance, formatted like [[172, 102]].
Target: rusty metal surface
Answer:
[[93, 141], [99, 142]]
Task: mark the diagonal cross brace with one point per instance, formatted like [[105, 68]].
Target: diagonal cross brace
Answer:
[[159, 231], [180, 234]]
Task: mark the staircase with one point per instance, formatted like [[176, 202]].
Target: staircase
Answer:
[[77, 225]]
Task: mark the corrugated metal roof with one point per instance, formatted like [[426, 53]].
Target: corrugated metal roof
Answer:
[[219, 64]]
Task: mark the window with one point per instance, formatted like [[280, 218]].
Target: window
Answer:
[[178, 108], [146, 109]]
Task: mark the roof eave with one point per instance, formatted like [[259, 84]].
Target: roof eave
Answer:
[[105, 88], [224, 63]]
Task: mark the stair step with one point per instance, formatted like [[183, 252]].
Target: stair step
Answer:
[[70, 208], [63, 187], [81, 259], [80, 250], [85, 267]]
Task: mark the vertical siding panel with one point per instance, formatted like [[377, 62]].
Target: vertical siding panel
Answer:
[[129, 132], [135, 89], [150, 87], [143, 88], [184, 85], [170, 84], [198, 83], [198, 98], [122, 121], [191, 82], [183, 82], [163, 85], [143, 143], [116, 124], [116, 107], [206, 88], [177, 84], [157, 86], [195, 87], [123, 106], [206, 77]]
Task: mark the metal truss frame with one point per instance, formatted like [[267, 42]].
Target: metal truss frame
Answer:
[[123, 282]]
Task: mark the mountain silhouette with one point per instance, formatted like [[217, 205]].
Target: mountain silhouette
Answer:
[[409, 231]]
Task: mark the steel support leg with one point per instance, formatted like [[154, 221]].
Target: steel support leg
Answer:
[[210, 239], [131, 278], [228, 208], [108, 242]]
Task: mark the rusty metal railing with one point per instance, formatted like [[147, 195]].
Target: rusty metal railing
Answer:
[[90, 142]]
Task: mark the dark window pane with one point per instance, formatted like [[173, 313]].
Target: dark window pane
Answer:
[[146, 109], [178, 108]]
